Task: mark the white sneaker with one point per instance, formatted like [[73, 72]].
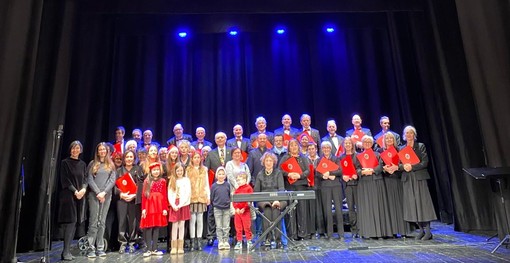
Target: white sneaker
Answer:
[[147, 254], [220, 245], [239, 245], [227, 246], [157, 253]]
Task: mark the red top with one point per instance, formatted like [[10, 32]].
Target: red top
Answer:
[[155, 204], [243, 189]]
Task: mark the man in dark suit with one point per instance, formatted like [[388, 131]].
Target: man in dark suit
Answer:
[[356, 122], [137, 136], [119, 138], [287, 128], [385, 127], [306, 121], [333, 138], [261, 125], [178, 135], [201, 141], [147, 140], [254, 157], [238, 141], [219, 156]]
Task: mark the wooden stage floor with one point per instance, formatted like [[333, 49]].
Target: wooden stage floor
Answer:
[[447, 246]]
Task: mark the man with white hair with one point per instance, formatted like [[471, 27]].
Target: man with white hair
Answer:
[[148, 141], [306, 121], [178, 135], [332, 137], [201, 141], [238, 141], [261, 125]]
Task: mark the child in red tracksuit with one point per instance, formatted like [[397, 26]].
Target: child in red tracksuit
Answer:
[[242, 215]]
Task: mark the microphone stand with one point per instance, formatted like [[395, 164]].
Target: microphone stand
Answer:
[[21, 192], [57, 136]]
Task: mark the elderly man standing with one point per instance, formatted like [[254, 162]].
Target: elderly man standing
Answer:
[[201, 141], [147, 140], [238, 141], [306, 121], [179, 135], [261, 125], [333, 138], [287, 130]]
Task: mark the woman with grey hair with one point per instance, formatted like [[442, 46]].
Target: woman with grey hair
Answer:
[[418, 206], [374, 220], [270, 179]]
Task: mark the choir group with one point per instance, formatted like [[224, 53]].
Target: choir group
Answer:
[[185, 187]]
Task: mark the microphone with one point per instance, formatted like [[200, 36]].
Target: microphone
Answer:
[[60, 130]]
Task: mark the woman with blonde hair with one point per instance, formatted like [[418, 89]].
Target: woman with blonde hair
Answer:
[[200, 194]]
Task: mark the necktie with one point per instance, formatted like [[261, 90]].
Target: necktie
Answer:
[[222, 156]]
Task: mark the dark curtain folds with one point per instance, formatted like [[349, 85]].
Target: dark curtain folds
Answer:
[[217, 80], [457, 118], [19, 22], [485, 30], [33, 76]]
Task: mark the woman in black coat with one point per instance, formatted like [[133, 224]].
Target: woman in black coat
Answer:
[[73, 184], [418, 206]]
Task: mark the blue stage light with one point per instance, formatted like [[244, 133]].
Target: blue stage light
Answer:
[[183, 34], [330, 30], [233, 32], [280, 31]]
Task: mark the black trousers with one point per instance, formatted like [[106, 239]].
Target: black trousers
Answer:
[[126, 214], [335, 194], [138, 230], [317, 218], [351, 194], [298, 219], [271, 214]]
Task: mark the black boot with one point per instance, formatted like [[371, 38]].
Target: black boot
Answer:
[[422, 233], [428, 234], [199, 244], [192, 246], [69, 230]]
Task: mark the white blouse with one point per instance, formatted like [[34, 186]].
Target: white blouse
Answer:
[[183, 192]]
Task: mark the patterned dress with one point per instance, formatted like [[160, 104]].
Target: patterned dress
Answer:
[[155, 204]]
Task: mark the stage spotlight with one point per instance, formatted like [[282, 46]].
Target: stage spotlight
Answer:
[[330, 30], [183, 34], [233, 32], [280, 31]]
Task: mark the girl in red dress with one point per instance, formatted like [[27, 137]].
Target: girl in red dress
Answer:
[[154, 209], [179, 196]]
